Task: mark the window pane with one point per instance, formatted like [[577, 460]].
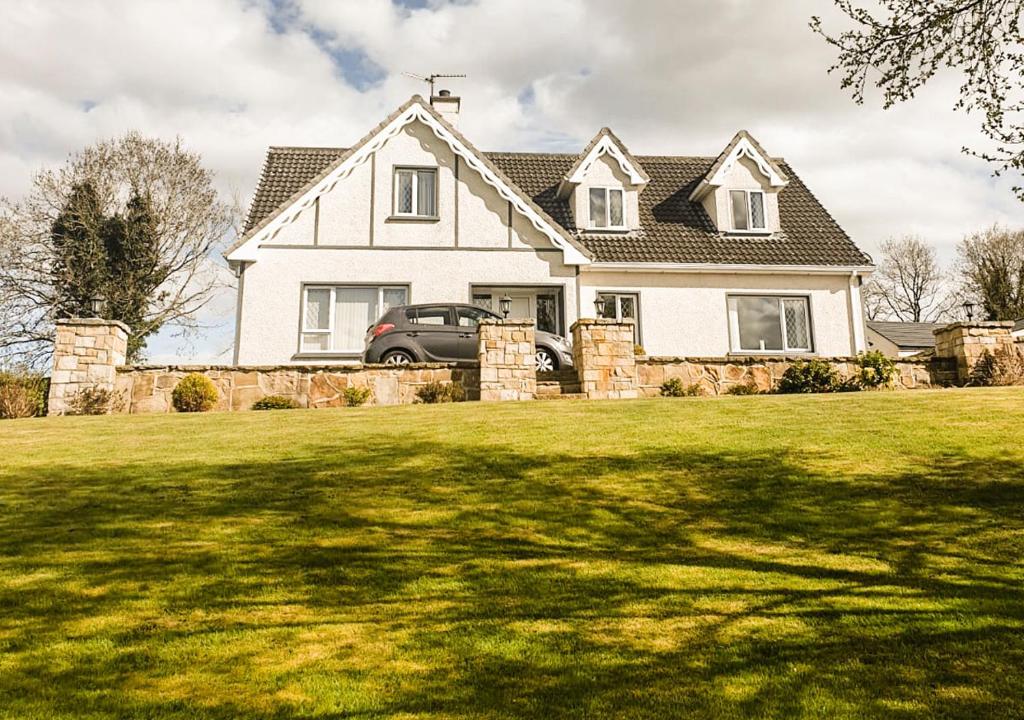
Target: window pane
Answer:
[[404, 189], [798, 334], [430, 316], [757, 210], [483, 301], [355, 309], [615, 208], [627, 307], [470, 317], [425, 193], [316, 342], [739, 209], [598, 208], [760, 323], [547, 313], [318, 309], [393, 297]]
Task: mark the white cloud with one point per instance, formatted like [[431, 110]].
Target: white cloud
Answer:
[[677, 76]]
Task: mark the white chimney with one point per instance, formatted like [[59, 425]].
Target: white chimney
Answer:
[[448, 105]]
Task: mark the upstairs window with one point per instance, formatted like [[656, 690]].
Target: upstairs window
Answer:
[[747, 210], [607, 208], [416, 192]]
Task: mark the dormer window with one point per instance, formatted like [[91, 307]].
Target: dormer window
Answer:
[[747, 210], [607, 209], [416, 192]]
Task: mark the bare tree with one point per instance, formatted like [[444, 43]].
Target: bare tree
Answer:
[[992, 270], [187, 221], [906, 42], [909, 284]]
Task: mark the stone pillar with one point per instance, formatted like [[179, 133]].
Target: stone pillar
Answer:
[[605, 359], [86, 354], [506, 351], [967, 342]]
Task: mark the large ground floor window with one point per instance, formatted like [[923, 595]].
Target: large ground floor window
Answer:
[[335, 317], [770, 323]]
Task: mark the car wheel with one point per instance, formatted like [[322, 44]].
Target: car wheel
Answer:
[[545, 360], [397, 357]]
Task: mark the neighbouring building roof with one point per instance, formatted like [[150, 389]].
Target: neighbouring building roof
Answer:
[[907, 335], [1018, 326], [674, 229]]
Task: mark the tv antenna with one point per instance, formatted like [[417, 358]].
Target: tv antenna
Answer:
[[432, 78]]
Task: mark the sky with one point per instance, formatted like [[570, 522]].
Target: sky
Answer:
[[231, 77]]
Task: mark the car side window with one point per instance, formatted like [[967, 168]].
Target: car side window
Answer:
[[471, 317], [437, 315]]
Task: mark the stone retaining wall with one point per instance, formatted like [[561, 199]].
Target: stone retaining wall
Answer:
[[147, 389], [715, 376]]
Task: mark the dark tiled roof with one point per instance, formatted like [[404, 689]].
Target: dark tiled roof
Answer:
[[1018, 326], [909, 335], [674, 230], [285, 171]]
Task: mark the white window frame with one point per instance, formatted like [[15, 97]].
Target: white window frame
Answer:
[[750, 215], [734, 324], [414, 172], [329, 332], [607, 209]]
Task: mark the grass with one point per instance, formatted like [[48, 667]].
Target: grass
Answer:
[[849, 556]]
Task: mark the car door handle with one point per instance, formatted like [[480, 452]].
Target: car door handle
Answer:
[[465, 335]]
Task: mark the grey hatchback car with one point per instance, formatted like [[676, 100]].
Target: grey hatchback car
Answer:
[[445, 333]]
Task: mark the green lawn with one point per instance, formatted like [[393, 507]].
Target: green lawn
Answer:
[[845, 556]]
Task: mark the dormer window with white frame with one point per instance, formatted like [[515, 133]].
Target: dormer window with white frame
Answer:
[[415, 192], [748, 211], [607, 208]]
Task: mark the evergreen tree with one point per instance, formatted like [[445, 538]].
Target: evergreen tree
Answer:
[[79, 268]]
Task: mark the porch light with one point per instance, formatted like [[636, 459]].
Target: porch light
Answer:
[[98, 305], [968, 307], [505, 303], [598, 306]]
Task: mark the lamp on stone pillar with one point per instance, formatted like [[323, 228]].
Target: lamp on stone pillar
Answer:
[[505, 303], [968, 307], [98, 305]]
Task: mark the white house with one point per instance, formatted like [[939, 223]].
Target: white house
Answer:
[[708, 256]]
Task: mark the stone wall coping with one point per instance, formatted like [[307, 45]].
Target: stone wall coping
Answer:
[[762, 359], [980, 324], [299, 368], [94, 322], [596, 321], [515, 322]]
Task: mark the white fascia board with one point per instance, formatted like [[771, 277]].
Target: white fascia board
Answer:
[[249, 250], [716, 268], [607, 146], [744, 148]]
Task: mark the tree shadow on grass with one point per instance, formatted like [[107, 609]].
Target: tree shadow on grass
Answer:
[[444, 578]]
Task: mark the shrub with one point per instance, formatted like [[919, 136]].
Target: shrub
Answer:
[[639, 350], [673, 387], [436, 392], [874, 370], [93, 401], [1004, 367], [195, 393], [275, 402], [22, 393], [356, 396], [745, 389], [809, 376]]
